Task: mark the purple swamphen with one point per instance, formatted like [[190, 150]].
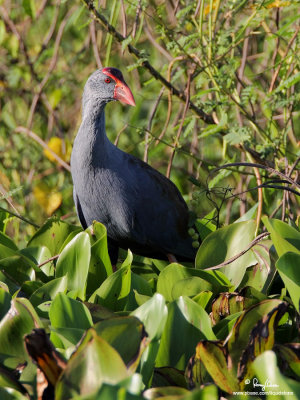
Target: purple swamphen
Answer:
[[141, 208]]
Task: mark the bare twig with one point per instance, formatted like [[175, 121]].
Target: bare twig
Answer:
[[230, 260], [49, 260], [152, 114], [119, 134], [276, 73], [50, 69], [176, 142], [272, 170], [94, 43], [137, 18]]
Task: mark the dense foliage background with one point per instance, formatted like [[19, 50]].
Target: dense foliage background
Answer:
[[215, 83]]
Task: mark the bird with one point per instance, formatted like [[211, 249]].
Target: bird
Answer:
[[141, 208]]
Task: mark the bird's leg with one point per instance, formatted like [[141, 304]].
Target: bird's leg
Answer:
[[171, 258]]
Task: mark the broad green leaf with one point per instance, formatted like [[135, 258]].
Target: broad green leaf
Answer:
[[18, 268], [203, 298], [39, 255], [138, 285], [93, 363], [190, 287], [186, 325], [6, 251], [153, 313], [284, 237], [113, 292], [5, 299], [18, 321], [7, 242], [125, 334], [288, 268], [266, 369], [260, 275], [174, 273], [224, 244], [100, 266], [52, 234], [48, 291], [69, 317], [167, 376], [224, 327], [112, 392], [74, 263]]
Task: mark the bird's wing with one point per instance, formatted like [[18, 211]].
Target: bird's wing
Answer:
[[160, 213]]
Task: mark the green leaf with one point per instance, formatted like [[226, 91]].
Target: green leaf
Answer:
[[124, 334], [74, 263], [174, 273], [69, 317], [18, 321], [39, 255], [93, 363], [187, 324], [225, 243], [5, 299], [284, 237], [114, 290], [153, 313], [48, 291], [52, 234], [7, 242], [100, 266], [288, 268], [190, 287], [18, 268], [266, 369]]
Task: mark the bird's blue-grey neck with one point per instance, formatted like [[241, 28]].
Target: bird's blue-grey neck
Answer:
[[91, 140]]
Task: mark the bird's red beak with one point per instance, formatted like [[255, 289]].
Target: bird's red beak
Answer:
[[123, 93]]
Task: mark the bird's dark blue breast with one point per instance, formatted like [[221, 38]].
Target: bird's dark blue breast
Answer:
[[140, 207]]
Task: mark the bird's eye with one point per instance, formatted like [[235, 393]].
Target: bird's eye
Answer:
[[107, 80]]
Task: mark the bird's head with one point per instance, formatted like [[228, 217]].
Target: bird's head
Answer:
[[108, 84]]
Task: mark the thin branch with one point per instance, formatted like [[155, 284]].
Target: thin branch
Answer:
[[50, 69], [94, 44], [176, 142], [49, 259], [144, 62], [230, 260], [272, 170], [275, 76], [20, 217], [152, 114]]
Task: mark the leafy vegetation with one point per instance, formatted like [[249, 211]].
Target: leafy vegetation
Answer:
[[217, 90]]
